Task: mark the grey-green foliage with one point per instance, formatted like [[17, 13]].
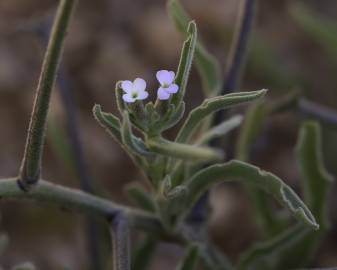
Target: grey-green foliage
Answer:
[[190, 260], [295, 246], [160, 158], [208, 67], [319, 28]]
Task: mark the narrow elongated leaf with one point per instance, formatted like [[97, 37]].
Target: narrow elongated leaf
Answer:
[[119, 97], [109, 122], [184, 151], [278, 253], [322, 30], [185, 64], [220, 130], [141, 197], [143, 254], [173, 118], [317, 179], [212, 105], [294, 247], [190, 260], [134, 144], [208, 67], [241, 171]]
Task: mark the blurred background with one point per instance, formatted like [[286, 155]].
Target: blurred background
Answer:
[[115, 40]]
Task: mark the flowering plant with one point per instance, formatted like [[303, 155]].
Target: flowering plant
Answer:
[[180, 171]]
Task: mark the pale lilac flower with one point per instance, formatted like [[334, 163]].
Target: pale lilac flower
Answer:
[[134, 90], [167, 87]]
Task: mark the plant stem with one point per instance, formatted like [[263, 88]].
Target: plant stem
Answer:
[[239, 45], [317, 111], [237, 55], [120, 242], [69, 198], [31, 163]]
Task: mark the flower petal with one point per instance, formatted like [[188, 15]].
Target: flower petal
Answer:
[[172, 89], [127, 86], [163, 94], [142, 95], [139, 85], [128, 98], [165, 77]]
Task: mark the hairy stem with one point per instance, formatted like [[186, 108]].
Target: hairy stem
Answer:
[[31, 163], [120, 242], [69, 198]]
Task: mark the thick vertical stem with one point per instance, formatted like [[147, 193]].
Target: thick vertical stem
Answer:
[[120, 242], [31, 163]]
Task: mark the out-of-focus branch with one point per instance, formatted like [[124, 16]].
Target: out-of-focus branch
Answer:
[[317, 111], [238, 52], [31, 163], [239, 47]]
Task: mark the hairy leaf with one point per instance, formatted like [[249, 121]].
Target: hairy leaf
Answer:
[[220, 130], [294, 247], [108, 121], [184, 151], [208, 67], [140, 197], [212, 105], [185, 64], [317, 179], [133, 143], [237, 170]]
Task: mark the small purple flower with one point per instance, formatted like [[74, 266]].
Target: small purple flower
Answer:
[[134, 90], [167, 87]]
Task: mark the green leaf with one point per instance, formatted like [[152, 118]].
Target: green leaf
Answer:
[[241, 171], [185, 64], [184, 151], [119, 97], [220, 130], [254, 120], [285, 251], [294, 248], [143, 254], [191, 258], [317, 179], [212, 105], [321, 29], [140, 197], [172, 118], [109, 122], [24, 266], [133, 143], [208, 67]]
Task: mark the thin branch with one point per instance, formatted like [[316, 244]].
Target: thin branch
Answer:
[[31, 163], [120, 242], [317, 111], [238, 52], [239, 46]]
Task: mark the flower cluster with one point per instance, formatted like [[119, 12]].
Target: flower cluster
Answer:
[[136, 90]]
